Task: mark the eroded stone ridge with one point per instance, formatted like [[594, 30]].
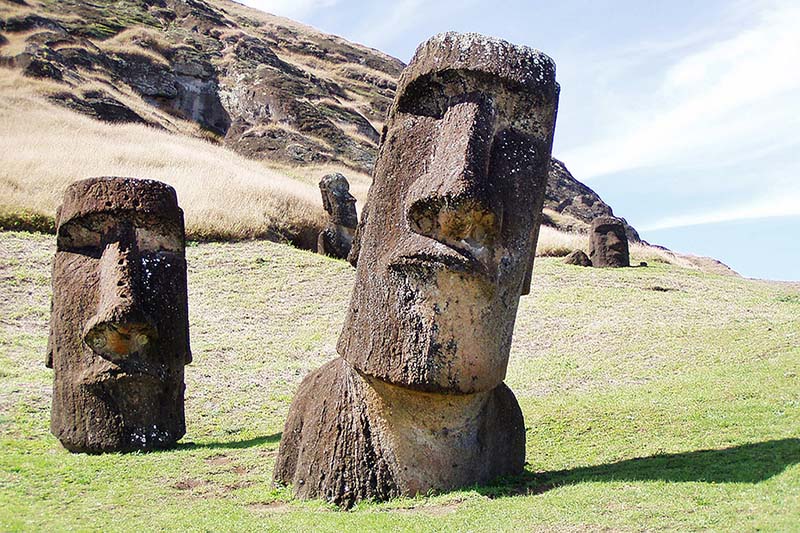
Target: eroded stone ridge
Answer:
[[119, 328], [416, 400], [337, 237], [608, 243]]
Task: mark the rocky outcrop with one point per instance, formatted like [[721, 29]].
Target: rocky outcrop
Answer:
[[578, 258], [567, 196]]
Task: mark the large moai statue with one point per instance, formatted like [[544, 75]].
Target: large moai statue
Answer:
[[608, 243], [119, 328], [416, 400], [337, 237]]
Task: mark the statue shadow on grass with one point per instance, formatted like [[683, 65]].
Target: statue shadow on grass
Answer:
[[231, 445], [748, 463]]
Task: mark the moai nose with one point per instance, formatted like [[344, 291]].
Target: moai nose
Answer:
[[455, 205], [119, 328]]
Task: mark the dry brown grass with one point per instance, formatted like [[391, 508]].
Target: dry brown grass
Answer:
[[16, 43], [141, 38], [138, 41], [225, 196], [556, 243]]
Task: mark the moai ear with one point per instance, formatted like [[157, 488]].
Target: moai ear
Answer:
[[48, 360], [526, 283], [355, 247]]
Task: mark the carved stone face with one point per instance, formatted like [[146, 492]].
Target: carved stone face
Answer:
[[119, 330], [609, 243], [337, 200], [452, 216]]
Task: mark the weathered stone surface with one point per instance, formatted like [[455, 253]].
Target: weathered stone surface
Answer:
[[337, 237], [350, 438], [119, 328], [578, 258], [416, 401], [608, 243]]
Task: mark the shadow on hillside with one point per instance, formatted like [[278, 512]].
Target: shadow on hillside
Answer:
[[748, 463], [231, 445]]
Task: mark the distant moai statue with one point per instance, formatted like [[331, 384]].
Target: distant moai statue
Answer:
[[119, 327], [337, 237], [416, 400], [608, 243]]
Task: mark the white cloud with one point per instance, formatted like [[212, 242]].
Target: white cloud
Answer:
[[397, 19], [294, 9], [783, 205], [723, 100]]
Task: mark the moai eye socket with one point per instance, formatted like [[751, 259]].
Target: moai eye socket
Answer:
[[424, 97], [82, 236]]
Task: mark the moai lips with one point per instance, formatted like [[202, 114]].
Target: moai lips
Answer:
[[608, 243], [119, 330], [416, 400], [337, 237]]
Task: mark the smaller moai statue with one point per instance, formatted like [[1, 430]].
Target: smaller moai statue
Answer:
[[119, 326], [337, 237], [608, 243]]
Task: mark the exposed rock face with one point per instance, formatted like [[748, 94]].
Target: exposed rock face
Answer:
[[267, 87], [337, 237], [608, 243], [568, 196], [578, 258], [119, 329], [416, 401]]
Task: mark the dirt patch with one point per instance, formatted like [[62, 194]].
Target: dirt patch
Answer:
[[272, 507], [236, 486], [189, 484], [659, 288], [218, 460], [428, 509]]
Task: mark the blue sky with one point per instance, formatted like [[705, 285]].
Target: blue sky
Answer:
[[683, 115]]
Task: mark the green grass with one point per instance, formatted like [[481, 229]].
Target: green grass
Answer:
[[645, 409]]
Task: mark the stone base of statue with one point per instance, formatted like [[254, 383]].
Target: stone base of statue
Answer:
[[350, 438]]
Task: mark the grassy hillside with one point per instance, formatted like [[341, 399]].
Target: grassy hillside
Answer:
[[225, 196], [654, 398]]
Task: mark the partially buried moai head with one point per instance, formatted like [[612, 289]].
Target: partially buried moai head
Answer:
[[119, 329], [453, 215], [337, 200], [336, 238], [608, 243]]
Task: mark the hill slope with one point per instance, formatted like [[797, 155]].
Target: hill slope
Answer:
[[264, 86], [657, 398]]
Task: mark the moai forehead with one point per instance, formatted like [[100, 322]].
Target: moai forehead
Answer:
[[606, 223], [93, 208], [452, 216]]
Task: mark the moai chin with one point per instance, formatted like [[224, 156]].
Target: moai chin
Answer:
[[337, 237], [416, 400], [608, 243], [119, 328]]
